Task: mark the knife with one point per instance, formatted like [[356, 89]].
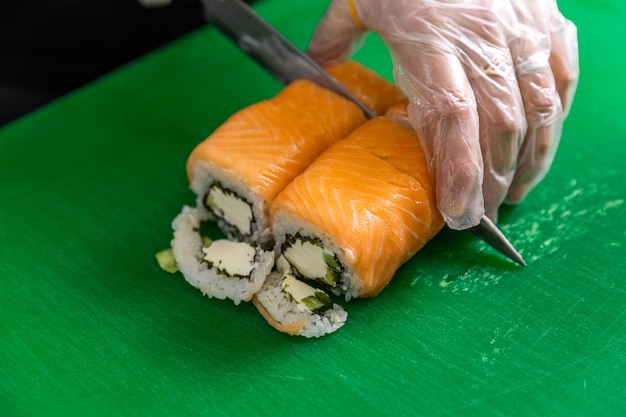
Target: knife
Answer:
[[281, 58]]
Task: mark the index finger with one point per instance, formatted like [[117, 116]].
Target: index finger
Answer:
[[335, 35], [443, 111]]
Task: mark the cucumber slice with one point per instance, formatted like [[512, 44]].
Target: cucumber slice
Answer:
[[167, 261]]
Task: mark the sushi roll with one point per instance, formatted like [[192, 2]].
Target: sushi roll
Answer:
[[359, 211], [221, 268], [242, 166], [365, 84], [294, 307]]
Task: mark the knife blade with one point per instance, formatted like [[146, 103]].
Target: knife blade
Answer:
[[281, 58]]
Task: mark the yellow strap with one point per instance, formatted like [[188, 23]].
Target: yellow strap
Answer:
[[355, 17]]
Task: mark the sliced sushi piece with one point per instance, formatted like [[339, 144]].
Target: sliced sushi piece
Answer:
[[240, 168], [359, 211], [219, 268], [297, 308]]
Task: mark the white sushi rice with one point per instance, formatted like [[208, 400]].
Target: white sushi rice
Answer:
[[286, 223], [286, 312], [187, 247], [205, 173]]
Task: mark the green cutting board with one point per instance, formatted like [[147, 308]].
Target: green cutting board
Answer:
[[89, 324]]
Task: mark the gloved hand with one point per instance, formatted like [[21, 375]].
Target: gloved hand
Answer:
[[489, 83]]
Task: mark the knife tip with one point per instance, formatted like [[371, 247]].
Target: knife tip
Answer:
[[490, 233]]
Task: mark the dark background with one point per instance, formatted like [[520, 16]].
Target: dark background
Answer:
[[50, 47]]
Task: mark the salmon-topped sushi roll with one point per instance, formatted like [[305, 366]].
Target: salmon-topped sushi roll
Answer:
[[365, 84], [359, 211], [242, 166]]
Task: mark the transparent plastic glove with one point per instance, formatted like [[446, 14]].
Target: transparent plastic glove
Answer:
[[489, 83]]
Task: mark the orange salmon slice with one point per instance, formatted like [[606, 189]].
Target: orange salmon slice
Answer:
[[372, 196]]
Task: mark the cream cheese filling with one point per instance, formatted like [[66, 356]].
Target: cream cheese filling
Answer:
[[307, 258], [233, 209], [233, 258], [306, 296]]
